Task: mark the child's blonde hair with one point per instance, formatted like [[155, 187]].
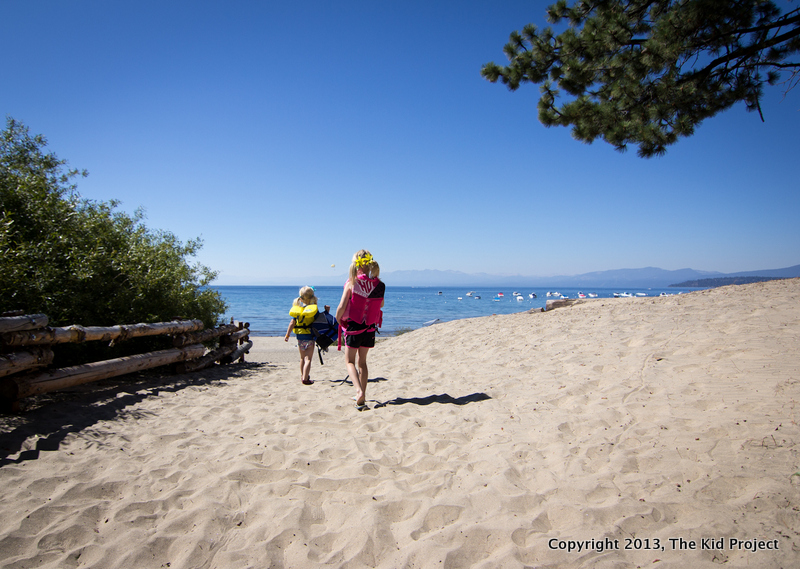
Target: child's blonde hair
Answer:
[[363, 260], [307, 296]]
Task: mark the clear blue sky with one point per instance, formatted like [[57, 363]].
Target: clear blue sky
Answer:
[[259, 127]]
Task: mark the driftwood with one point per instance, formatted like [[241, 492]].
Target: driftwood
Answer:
[[18, 387], [26, 322], [203, 336], [236, 336], [19, 379], [76, 333], [25, 359], [239, 354], [562, 302]]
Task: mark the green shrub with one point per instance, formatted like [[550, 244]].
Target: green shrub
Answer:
[[81, 262]]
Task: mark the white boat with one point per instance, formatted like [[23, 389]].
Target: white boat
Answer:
[[592, 295], [581, 295], [477, 297], [520, 297], [532, 295], [459, 298], [515, 293], [470, 293]]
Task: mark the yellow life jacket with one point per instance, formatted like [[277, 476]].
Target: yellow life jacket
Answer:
[[303, 317]]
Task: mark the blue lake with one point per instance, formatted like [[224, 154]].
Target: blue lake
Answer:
[[266, 308]]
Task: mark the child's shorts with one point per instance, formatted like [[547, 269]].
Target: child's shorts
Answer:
[[304, 341], [363, 340]]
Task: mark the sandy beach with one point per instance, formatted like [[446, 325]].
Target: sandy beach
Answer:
[[617, 433]]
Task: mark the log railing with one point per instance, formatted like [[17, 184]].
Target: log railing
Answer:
[[26, 347]]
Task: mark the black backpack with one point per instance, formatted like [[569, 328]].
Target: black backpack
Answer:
[[325, 331]]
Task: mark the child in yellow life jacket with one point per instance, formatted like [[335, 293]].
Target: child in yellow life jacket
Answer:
[[304, 309], [360, 315]]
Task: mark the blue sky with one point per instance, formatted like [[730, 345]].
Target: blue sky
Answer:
[[288, 135]]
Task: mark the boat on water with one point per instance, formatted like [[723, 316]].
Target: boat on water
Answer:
[[532, 295], [581, 295], [470, 293], [592, 295], [622, 295], [515, 293], [497, 298], [520, 297], [556, 294], [440, 293], [641, 294], [477, 297]]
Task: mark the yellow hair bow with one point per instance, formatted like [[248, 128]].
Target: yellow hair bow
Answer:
[[364, 261]]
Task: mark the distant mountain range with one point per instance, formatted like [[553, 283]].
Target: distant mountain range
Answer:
[[648, 277]]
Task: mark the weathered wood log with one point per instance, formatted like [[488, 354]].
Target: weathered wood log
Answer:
[[204, 336], [25, 322], [206, 360], [23, 360], [238, 354], [563, 302], [76, 333], [18, 387], [240, 335]]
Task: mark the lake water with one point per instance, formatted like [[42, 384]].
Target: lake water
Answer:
[[266, 308]]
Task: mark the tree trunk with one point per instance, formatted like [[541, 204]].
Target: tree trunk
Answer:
[[206, 360], [18, 387], [26, 359], [27, 322], [76, 333], [205, 335]]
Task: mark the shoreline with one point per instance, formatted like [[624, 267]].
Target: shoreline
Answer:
[[664, 424]]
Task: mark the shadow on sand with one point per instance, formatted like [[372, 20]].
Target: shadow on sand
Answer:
[[53, 416], [443, 398]]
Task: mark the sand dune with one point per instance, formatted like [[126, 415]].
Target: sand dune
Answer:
[[532, 440]]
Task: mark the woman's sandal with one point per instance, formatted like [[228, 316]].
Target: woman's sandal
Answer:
[[307, 382]]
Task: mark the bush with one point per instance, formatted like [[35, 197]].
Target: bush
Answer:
[[82, 262]]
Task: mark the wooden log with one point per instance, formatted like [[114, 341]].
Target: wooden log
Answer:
[[76, 333], [241, 335], [206, 360], [236, 338], [25, 322], [238, 354], [242, 341], [563, 302], [204, 336], [18, 387], [23, 360]]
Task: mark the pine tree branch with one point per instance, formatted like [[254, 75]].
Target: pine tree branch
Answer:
[[746, 52]]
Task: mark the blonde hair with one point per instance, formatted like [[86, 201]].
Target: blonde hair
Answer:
[[363, 260], [307, 297]]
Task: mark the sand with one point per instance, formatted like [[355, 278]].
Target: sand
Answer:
[[632, 432]]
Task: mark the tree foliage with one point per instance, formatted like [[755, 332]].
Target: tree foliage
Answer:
[[649, 71], [81, 261]]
